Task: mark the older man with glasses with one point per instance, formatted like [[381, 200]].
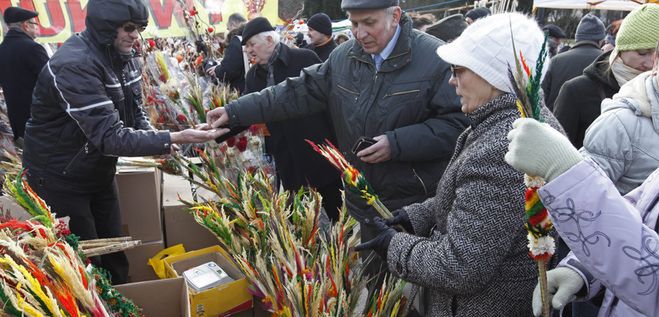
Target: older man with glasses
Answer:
[[21, 60], [87, 111]]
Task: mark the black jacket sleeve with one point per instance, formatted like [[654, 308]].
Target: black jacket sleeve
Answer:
[[38, 59]]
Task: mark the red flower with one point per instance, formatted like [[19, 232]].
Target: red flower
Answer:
[[193, 12], [231, 141], [199, 60], [179, 58], [301, 22], [161, 119], [242, 144], [152, 43], [211, 29], [181, 118]]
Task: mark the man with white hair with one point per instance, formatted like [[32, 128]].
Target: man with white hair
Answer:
[[296, 163], [387, 84]]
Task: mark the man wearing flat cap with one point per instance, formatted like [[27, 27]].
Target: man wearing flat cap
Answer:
[[320, 34], [387, 84], [21, 60]]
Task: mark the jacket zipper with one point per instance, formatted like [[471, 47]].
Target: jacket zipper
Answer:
[[85, 149], [402, 93]]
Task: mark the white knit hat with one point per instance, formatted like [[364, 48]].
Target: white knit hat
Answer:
[[485, 47]]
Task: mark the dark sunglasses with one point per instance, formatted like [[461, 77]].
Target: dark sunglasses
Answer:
[[130, 28], [455, 69]]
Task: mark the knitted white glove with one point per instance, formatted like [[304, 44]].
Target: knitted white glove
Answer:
[[563, 284], [536, 149]]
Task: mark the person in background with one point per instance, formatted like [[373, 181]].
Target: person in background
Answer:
[[86, 112], [21, 60], [611, 32], [448, 28], [320, 34], [565, 66], [476, 13], [613, 238], [467, 246], [296, 162], [231, 69], [387, 85], [579, 101], [556, 36], [421, 22], [624, 139], [341, 38]]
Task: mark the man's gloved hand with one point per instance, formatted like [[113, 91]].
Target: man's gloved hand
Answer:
[[400, 218], [563, 284], [538, 150], [379, 244]]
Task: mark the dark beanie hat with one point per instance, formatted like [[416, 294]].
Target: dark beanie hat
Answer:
[[16, 14], [321, 22], [448, 28], [367, 4], [554, 30], [256, 26], [478, 13], [590, 28]]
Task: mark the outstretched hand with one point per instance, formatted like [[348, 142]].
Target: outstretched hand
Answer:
[[197, 135], [217, 117]]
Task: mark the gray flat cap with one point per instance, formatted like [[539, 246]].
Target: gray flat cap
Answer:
[[448, 28], [367, 4]]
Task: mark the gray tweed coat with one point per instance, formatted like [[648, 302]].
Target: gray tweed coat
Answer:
[[469, 252]]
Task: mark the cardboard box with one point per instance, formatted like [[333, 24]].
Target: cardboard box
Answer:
[[226, 299], [171, 299], [139, 200], [180, 227], [138, 258]]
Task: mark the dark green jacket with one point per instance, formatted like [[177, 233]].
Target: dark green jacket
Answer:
[[409, 100]]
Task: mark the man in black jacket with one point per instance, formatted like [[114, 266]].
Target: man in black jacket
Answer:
[[320, 33], [297, 164], [565, 66], [231, 69], [86, 111], [21, 60]]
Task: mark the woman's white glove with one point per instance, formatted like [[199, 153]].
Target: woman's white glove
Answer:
[[563, 284], [536, 149]]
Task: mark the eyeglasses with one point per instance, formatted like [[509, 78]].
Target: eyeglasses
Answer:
[[130, 28], [455, 69]]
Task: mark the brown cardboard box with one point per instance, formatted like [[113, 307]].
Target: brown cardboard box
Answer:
[[180, 226], [139, 199], [225, 299], [161, 298], [138, 258]]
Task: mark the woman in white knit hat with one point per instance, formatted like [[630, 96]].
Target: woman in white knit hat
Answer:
[[467, 245]]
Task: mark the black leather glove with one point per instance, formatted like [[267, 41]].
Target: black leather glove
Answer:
[[401, 218], [379, 244]]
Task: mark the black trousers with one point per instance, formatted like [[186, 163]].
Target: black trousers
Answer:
[[92, 215], [332, 201]]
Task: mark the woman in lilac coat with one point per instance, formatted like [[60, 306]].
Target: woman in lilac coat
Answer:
[[614, 241]]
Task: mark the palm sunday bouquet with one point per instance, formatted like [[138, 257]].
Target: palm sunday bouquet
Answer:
[[295, 267], [43, 270]]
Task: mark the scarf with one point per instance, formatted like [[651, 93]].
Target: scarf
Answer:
[[622, 72], [271, 66]]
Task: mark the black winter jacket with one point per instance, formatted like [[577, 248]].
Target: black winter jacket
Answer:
[[323, 51], [297, 164], [87, 110], [566, 66], [232, 68], [409, 100], [579, 100], [21, 60]]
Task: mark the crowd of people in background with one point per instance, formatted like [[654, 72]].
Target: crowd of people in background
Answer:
[[446, 149]]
